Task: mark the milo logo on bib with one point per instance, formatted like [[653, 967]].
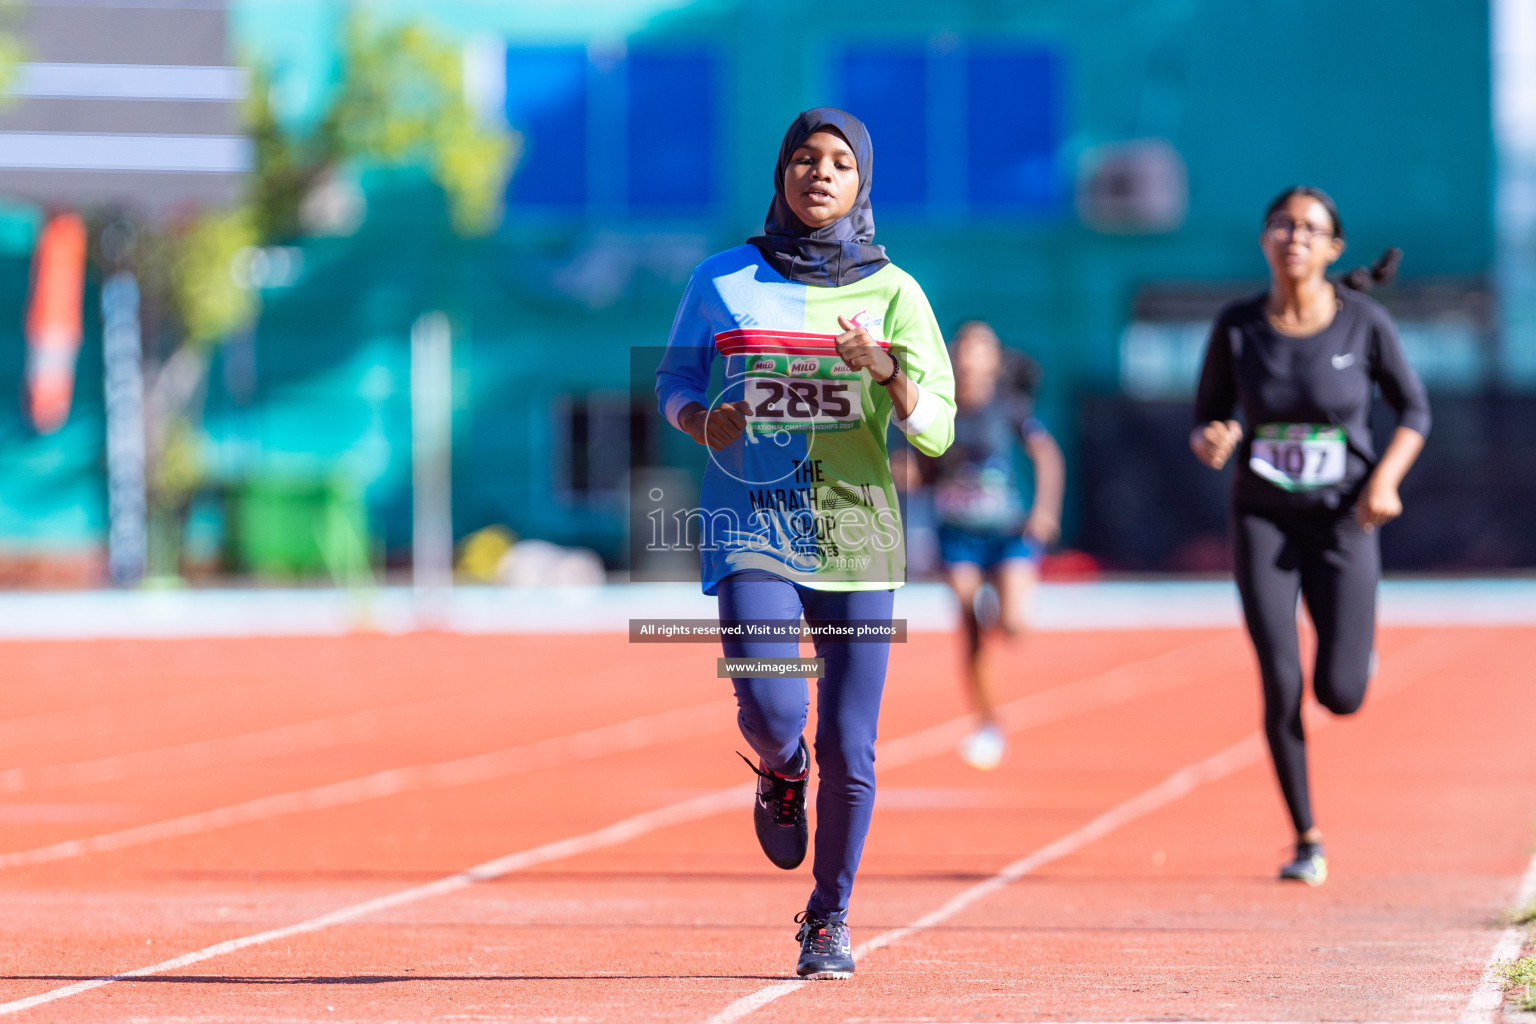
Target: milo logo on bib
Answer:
[[1298, 456], [794, 381]]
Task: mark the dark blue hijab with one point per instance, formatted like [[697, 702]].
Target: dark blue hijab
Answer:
[[842, 252]]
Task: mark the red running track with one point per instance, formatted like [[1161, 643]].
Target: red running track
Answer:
[[276, 830]]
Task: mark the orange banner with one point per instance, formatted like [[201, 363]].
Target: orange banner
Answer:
[[53, 320]]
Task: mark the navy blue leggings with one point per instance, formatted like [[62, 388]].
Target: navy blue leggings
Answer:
[[772, 714]]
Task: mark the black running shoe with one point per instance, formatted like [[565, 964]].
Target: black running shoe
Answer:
[[778, 813], [1309, 865], [826, 948]]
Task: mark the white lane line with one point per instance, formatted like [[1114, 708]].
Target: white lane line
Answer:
[[582, 746], [362, 726], [1047, 706], [612, 835], [93, 721], [1488, 997], [262, 744], [190, 710], [1239, 755], [1116, 685], [1102, 690], [1245, 752]]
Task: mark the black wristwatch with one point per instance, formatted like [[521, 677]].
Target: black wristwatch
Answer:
[[895, 371]]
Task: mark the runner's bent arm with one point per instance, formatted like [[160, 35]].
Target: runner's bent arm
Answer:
[[1216, 434], [1044, 523], [1402, 390], [684, 374], [861, 352], [927, 412]]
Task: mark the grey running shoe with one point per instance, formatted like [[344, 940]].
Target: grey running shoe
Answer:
[[778, 813], [1309, 865], [826, 948]]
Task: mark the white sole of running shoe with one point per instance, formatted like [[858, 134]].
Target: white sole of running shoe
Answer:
[[827, 976]]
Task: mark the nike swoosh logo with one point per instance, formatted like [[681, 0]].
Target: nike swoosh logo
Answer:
[[1339, 362]]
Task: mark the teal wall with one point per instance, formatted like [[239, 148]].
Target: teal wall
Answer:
[[1389, 113], [52, 488]]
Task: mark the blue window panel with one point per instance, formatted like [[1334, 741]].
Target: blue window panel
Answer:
[[1013, 127], [672, 130], [888, 91], [547, 103]]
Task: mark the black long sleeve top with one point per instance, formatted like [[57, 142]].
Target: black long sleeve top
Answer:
[[1324, 379]]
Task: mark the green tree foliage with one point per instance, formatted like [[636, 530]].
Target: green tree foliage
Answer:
[[11, 50], [400, 103], [210, 296], [284, 169]]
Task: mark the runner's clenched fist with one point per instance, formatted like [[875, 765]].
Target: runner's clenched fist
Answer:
[[861, 352], [1214, 443], [716, 427]]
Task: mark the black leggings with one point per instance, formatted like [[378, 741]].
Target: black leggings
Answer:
[[1326, 557]]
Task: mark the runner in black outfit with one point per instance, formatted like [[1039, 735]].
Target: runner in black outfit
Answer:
[[1309, 491]]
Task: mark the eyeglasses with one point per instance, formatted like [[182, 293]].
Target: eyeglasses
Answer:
[[1284, 229]]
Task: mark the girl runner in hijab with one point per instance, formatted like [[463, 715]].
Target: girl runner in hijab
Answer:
[[824, 342], [1302, 361]]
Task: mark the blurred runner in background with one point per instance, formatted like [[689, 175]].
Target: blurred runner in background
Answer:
[[994, 523]]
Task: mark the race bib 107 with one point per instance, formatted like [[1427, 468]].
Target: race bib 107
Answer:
[[1298, 456]]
